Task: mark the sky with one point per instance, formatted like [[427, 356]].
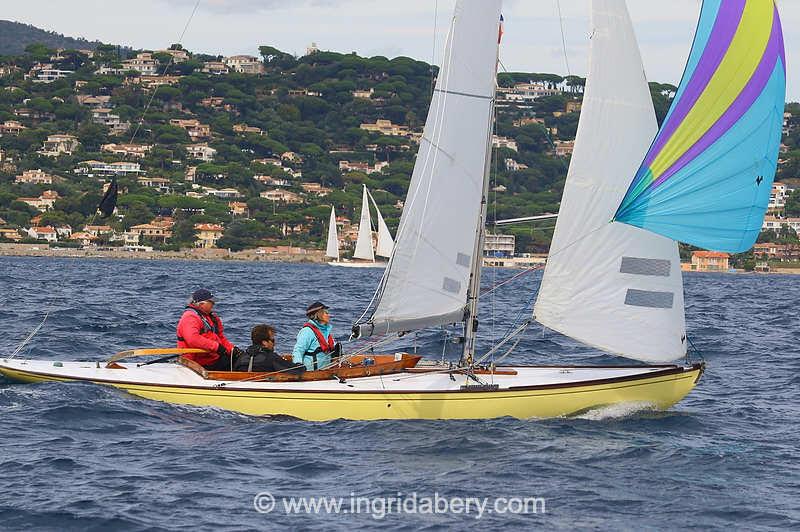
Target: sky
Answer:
[[414, 28]]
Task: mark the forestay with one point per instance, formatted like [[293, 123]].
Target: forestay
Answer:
[[607, 285], [428, 274], [364, 242], [385, 241], [707, 178], [333, 238]]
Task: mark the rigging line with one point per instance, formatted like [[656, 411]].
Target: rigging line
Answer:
[[433, 48], [577, 240], [495, 154], [509, 280], [519, 330], [522, 310], [504, 355], [563, 37], [546, 130], [164, 73], [21, 346]]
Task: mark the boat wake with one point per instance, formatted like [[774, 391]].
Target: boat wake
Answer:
[[616, 411]]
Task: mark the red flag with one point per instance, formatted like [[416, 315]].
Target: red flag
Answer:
[[500, 31]]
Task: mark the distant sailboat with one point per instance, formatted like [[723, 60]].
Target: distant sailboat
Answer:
[[364, 254], [332, 249]]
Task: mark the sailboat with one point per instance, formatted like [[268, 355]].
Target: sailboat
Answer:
[[613, 279], [364, 255]]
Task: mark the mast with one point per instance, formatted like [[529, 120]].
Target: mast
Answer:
[[474, 290]]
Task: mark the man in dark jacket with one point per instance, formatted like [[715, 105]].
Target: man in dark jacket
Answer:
[[261, 355]]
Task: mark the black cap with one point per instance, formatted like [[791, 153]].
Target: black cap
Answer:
[[202, 294], [314, 307]]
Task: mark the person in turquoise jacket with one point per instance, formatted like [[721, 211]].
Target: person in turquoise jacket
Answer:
[[315, 344]]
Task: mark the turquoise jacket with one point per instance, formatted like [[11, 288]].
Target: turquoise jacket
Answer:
[[307, 341]]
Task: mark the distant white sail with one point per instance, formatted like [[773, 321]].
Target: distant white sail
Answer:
[[609, 285], [364, 243], [385, 241], [333, 238], [429, 272]]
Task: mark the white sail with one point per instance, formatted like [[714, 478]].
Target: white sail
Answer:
[[333, 238], [364, 242], [428, 275], [610, 285], [385, 241]]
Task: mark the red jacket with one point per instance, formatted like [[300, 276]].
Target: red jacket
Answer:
[[199, 330]]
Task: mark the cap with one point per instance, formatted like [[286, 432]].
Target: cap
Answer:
[[314, 307], [202, 294]]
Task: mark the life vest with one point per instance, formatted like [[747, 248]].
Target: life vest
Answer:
[[326, 345], [208, 326]]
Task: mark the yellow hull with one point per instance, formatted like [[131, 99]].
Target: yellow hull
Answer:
[[661, 391]]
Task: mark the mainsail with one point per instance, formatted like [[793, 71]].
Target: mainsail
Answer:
[[612, 286], [706, 179], [364, 242], [428, 275], [333, 237], [385, 241]]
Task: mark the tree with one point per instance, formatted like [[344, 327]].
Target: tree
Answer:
[[275, 58], [135, 214], [92, 136], [39, 52], [241, 234], [793, 204]]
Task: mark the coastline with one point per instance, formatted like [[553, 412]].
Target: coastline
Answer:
[[307, 256], [198, 254]]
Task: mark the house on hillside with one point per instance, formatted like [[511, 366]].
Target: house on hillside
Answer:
[[135, 151], [46, 233], [202, 152], [152, 232], [161, 184], [34, 177], [45, 202], [215, 68], [244, 64], [315, 188], [143, 63], [238, 208], [120, 168], [504, 142], [282, 196], [11, 127], [710, 261], [57, 145], [193, 127], [385, 127], [208, 235], [347, 166]]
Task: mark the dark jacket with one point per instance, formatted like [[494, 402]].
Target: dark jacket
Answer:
[[265, 360]]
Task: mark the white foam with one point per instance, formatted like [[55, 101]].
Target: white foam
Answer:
[[617, 411]]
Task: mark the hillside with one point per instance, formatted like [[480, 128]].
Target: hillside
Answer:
[[249, 151], [16, 36]]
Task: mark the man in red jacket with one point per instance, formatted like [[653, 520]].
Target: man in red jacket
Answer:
[[200, 328]]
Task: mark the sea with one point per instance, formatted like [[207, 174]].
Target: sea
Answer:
[[87, 457]]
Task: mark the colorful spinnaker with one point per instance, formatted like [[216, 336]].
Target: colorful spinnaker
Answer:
[[706, 180]]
